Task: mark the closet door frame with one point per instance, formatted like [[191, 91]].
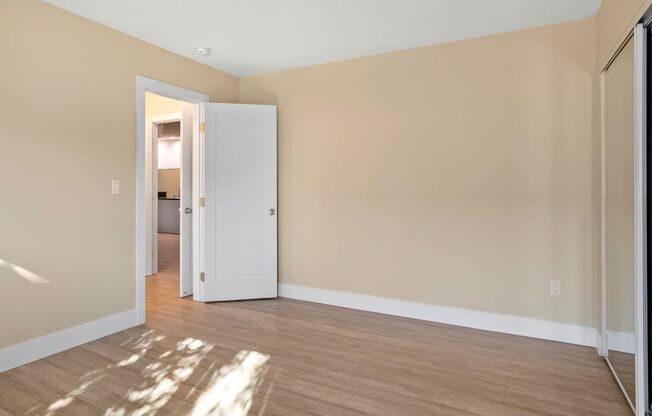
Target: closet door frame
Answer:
[[640, 216]]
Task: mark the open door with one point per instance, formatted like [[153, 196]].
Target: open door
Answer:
[[235, 204], [185, 205]]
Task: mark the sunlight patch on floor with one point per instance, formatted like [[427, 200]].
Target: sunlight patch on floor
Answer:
[[141, 343], [164, 380], [231, 388], [227, 391], [88, 378]]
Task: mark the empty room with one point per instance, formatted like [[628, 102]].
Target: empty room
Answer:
[[325, 207]]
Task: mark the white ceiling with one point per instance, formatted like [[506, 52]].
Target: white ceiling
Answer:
[[249, 37]]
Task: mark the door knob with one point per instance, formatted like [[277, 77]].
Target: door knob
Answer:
[[271, 211], [188, 210]]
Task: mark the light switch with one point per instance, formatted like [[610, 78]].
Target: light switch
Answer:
[[115, 187]]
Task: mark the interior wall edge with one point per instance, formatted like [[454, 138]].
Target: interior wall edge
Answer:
[[622, 38], [488, 321], [41, 347]]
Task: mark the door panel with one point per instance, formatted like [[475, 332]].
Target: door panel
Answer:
[[185, 206], [238, 179]]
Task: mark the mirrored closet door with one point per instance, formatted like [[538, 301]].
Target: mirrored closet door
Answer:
[[623, 218], [619, 207]]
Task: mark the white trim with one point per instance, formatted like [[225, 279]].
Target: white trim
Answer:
[[598, 341], [508, 324], [143, 85], [197, 209], [622, 341], [602, 346], [640, 229], [41, 347]]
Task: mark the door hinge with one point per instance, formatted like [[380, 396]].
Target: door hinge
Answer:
[[202, 202], [202, 277], [202, 127]]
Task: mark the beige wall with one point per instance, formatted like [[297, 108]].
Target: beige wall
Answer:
[[157, 105], [464, 174], [169, 180], [457, 174], [68, 129]]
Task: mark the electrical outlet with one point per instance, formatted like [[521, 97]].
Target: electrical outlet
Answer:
[[555, 288]]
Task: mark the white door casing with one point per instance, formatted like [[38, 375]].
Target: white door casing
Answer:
[[143, 85]]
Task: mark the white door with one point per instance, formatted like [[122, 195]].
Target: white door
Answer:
[[235, 179], [185, 205]]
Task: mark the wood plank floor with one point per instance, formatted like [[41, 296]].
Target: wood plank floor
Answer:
[[285, 357]]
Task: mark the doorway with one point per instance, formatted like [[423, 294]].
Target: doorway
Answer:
[[165, 122], [169, 226], [227, 182]]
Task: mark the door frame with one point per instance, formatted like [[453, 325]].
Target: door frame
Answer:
[[143, 85], [641, 403]]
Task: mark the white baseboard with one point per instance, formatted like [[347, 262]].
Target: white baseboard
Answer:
[[37, 348], [516, 325], [621, 341], [598, 343]]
